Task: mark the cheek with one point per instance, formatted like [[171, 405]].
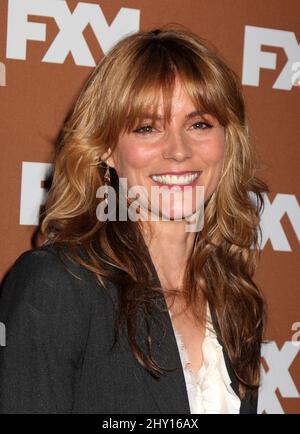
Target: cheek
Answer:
[[212, 152], [130, 157]]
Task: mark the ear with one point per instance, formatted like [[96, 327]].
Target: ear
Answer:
[[107, 157]]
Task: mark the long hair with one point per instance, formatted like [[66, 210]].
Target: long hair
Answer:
[[126, 82]]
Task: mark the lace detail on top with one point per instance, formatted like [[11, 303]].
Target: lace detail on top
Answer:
[[209, 390]]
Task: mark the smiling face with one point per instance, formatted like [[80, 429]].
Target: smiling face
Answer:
[[189, 151]]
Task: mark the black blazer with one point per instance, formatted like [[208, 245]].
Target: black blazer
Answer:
[[57, 358]]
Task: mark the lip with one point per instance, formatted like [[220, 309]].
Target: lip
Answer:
[[177, 186], [183, 172]]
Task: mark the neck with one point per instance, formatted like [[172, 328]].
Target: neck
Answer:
[[170, 246]]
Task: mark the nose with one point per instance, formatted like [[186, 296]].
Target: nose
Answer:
[[176, 147]]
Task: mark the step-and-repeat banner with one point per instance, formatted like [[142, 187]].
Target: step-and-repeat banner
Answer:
[[47, 50]]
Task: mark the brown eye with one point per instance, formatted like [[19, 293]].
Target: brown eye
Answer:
[[144, 130], [202, 125]]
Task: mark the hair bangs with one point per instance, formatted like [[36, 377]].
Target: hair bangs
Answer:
[[154, 79], [203, 89], [155, 73]]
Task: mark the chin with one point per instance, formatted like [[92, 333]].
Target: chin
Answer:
[[177, 214]]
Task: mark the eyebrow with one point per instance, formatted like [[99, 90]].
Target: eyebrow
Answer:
[[159, 117]]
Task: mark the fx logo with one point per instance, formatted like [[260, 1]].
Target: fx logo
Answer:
[[255, 59], [277, 376], [271, 221], [33, 190], [70, 38]]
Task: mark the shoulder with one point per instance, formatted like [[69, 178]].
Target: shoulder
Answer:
[[49, 262], [50, 282]]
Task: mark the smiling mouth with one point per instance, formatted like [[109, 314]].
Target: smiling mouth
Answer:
[[188, 178]]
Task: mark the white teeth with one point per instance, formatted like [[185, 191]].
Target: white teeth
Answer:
[[174, 179]]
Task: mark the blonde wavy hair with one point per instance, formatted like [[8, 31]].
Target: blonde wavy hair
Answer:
[[126, 82]]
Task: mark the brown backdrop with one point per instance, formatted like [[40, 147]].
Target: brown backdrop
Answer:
[[35, 96]]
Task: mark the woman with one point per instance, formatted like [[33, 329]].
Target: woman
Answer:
[[142, 315]]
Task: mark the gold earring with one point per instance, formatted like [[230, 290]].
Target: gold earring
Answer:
[[107, 180]]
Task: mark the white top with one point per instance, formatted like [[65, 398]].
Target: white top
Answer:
[[209, 390]]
